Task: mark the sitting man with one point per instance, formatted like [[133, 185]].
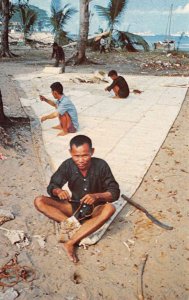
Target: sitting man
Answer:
[[119, 85], [90, 181], [66, 111], [59, 55]]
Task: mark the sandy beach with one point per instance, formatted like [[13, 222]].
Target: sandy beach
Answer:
[[112, 269]]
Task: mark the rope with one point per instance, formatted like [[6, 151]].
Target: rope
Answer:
[[11, 273]]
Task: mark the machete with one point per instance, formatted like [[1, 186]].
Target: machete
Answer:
[[151, 217]]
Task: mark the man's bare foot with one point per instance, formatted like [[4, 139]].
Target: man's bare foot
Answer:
[[70, 251], [62, 133], [57, 127], [115, 97]]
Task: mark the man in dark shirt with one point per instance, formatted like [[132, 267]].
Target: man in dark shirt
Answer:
[[119, 85], [90, 181], [58, 54]]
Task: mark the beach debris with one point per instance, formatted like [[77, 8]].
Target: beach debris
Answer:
[[5, 215], [135, 91], [12, 273], [41, 240], [68, 228], [82, 80], [140, 280], [101, 76], [98, 76], [17, 237], [151, 217], [156, 178], [10, 294], [2, 157], [127, 246], [130, 213], [131, 241]]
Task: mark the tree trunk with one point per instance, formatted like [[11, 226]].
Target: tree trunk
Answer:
[[83, 31], [5, 30], [3, 118]]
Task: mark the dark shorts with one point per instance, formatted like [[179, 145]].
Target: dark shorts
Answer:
[[72, 129], [122, 94]]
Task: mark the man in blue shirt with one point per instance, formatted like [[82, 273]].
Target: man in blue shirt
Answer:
[[65, 110]]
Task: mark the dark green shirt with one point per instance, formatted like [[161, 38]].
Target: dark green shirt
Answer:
[[99, 179]]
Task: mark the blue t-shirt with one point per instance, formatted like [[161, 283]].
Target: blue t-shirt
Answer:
[[65, 105]]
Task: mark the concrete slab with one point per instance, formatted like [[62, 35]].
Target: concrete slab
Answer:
[[52, 70], [127, 133]]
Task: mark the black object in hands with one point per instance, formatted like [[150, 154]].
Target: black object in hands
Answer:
[[84, 211]]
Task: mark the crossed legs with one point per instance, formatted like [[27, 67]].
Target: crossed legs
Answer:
[[60, 210]]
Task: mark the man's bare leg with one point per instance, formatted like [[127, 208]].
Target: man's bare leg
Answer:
[[65, 122], [56, 210], [101, 214], [116, 92]]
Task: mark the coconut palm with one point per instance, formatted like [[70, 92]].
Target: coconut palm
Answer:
[[7, 10], [59, 18], [5, 7], [28, 18], [112, 14], [83, 31]]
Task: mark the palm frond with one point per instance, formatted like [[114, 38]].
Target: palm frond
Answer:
[[28, 18], [60, 18], [135, 39], [117, 7], [55, 4], [68, 14], [103, 12]]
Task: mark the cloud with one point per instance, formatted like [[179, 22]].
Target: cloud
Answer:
[[182, 9]]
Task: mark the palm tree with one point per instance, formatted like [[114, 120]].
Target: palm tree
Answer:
[[7, 9], [112, 13], [28, 18], [5, 6], [59, 18], [83, 31], [3, 118]]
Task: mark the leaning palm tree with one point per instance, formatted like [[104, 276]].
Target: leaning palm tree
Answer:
[[112, 13], [59, 18]]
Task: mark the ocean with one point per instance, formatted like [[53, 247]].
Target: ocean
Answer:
[[184, 41]]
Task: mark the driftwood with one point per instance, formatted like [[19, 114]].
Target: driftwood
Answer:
[[140, 281]]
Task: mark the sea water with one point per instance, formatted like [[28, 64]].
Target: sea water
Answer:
[[183, 46]]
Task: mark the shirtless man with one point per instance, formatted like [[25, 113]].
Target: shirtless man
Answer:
[[90, 180], [119, 85], [65, 110]]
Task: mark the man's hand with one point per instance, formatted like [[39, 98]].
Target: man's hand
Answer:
[[89, 199], [44, 118], [64, 195], [42, 98]]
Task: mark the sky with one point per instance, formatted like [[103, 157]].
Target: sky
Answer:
[[141, 16]]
